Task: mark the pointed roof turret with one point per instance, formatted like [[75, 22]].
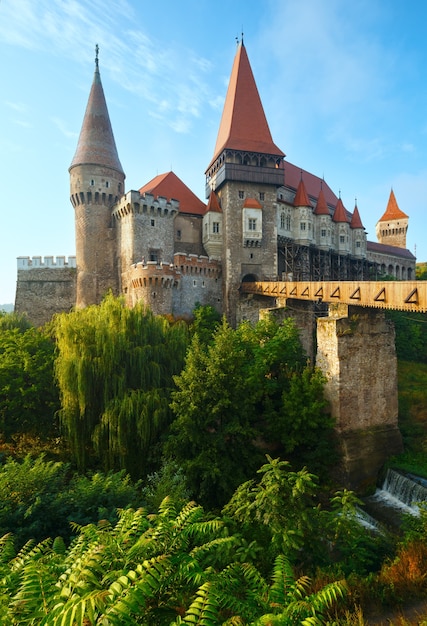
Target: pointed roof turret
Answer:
[[301, 197], [356, 222], [96, 145], [340, 214], [392, 211], [213, 203], [321, 206], [243, 124]]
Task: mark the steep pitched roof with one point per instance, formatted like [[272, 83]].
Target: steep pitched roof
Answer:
[[213, 204], [169, 186], [96, 145], [392, 211], [301, 197], [356, 222], [292, 176], [243, 124], [321, 206], [340, 214]]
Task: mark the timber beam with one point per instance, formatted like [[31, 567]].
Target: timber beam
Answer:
[[406, 295]]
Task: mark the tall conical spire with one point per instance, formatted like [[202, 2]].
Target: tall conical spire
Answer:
[[243, 124], [96, 145], [392, 211]]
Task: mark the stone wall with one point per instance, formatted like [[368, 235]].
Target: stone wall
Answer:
[[356, 352], [44, 289]]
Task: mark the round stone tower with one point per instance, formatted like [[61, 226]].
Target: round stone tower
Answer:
[[96, 184]]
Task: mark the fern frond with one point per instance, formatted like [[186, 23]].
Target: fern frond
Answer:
[[203, 610], [283, 585], [7, 548]]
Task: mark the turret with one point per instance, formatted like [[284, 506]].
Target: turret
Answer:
[[358, 234], [322, 222], [96, 183], [342, 228], [391, 228], [304, 215]]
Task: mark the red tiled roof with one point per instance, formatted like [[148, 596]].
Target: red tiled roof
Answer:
[[96, 143], [251, 203], [392, 211], [321, 206], [301, 197], [313, 184], [243, 124], [356, 222], [169, 186], [340, 214], [213, 204], [380, 248]]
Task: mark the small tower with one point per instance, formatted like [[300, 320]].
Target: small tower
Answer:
[[96, 183], [358, 238], [245, 172], [391, 228], [304, 232], [342, 228], [322, 222]]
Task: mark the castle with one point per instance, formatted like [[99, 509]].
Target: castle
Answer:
[[264, 219]]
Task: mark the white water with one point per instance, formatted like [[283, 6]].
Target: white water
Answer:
[[400, 492]]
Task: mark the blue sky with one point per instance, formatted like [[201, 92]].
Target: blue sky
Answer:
[[344, 88]]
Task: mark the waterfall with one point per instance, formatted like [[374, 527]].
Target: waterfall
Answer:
[[398, 494]]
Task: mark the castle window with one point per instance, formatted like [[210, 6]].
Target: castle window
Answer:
[[153, 223], [323, 232], [241, 194], [153, 255], [178, 234], [282, 220], [215, 227], [107, 183], [92, 182], [252, 223], [119, 187], [302, 226], [357, 244], [288, 222], [342, 239], [261, 195], [194, 283]]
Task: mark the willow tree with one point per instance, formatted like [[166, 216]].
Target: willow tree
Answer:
[[115, 369]]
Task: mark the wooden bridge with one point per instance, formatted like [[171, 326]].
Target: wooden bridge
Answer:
[[399, 295]]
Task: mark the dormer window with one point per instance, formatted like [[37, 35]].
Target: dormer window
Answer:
[[215, 227]]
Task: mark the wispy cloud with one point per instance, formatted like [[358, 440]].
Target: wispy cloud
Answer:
[[144, 65], [62, 127]]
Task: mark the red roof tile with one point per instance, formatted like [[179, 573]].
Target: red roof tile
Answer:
[[169, 186], [301, 197], [213, 204], [340, 214], [356, 222], [243, 124], [321, 206], [251, 203], [392, 211]]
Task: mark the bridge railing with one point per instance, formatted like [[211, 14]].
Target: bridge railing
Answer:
[[399, 295]]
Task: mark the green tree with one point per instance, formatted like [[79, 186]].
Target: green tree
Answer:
[[28, 394], [115, 371], [213, 436]]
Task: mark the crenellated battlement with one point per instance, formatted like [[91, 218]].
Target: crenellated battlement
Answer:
[[194, 264], [134, 203], [50, 262]]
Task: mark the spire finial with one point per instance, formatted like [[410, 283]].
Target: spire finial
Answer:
[[96, 55]]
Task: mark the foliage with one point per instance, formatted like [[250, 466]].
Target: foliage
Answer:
[[28, 394], [212, 437], [115, 369], [206, 321], [9, 321], [421, 271], [40, 498], [411, 335], [242, 393], [171, 568]]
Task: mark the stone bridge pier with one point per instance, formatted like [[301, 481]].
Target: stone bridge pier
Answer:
[[355, 349]]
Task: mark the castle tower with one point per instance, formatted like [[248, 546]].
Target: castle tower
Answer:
[[304, 231], [323, 222], [96, 183], [245, 173], [391, 228], [342, 228], [358, 234]]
